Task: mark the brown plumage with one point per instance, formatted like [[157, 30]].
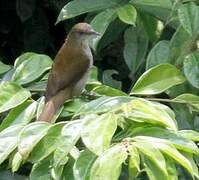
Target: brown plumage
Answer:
[[69, 72]]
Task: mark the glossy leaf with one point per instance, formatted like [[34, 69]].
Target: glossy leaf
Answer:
[[24, 71], [78, 7], [20, 115], [38, 86], [140, 110], [108, 165], [157, 80], [68, 170], [171, 168], [41, 170], [108, 91], [136, 43], [16, 162], [70, 134], [12, 95], [109, 80], [175, 138], [47, 144], [127, 14], [41, 103], [180, 45], [97, 131], [189, 16], [152, 170], [30, 136], [157, 8], [103, 104], [190, 134], [4, 68], [159, 54], [100, 23], [153, 155], [134, 162], [8, 138], [190, 99], [191, 69], [154, 3], [167, 149], [83, 164]]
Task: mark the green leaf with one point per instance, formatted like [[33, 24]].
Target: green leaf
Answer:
[[154, 3], [67, 173], [100, 23], [175, 138], [30, 136], [23, 58], [103, 104], [127, 14], [152, 26], [167, 149], [22, 114], [12, 95], [7, 175], [16, 162], [140, 110], [14, 113], [190, 99], [152, 170], [193, 164], [134, 162], [171, 169], [41, 170], [48, 144], [190, 134], [4, 68], [70, 134], [157, 80], [108, 91], [158, 8], [108, 165], [8, 138], [78, 7], [159, 54], [135, 47], [183, 116], [181, 44], [191, 69], [41, 103], [24, 71], [93, 74], [83, 164], [114, 30], [37, 86], [189, 16], [154, 155], [109, 80], [97, 131]]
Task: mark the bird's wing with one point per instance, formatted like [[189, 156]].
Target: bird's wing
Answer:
[[66, 72]]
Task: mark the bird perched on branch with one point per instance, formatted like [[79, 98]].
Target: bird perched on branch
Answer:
[[69, 71]]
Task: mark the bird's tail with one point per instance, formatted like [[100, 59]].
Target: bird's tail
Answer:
[[53, 105], [48, 112]]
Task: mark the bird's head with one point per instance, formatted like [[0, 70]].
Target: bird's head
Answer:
[[82, 32]]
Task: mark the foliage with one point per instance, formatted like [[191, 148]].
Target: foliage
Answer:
[[151, 133]]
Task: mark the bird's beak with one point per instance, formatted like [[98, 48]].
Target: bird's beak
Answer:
[[95, 33]]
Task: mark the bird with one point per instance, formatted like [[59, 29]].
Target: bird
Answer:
[[69, 71]]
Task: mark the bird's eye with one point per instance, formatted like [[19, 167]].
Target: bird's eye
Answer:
[[80, 33]]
